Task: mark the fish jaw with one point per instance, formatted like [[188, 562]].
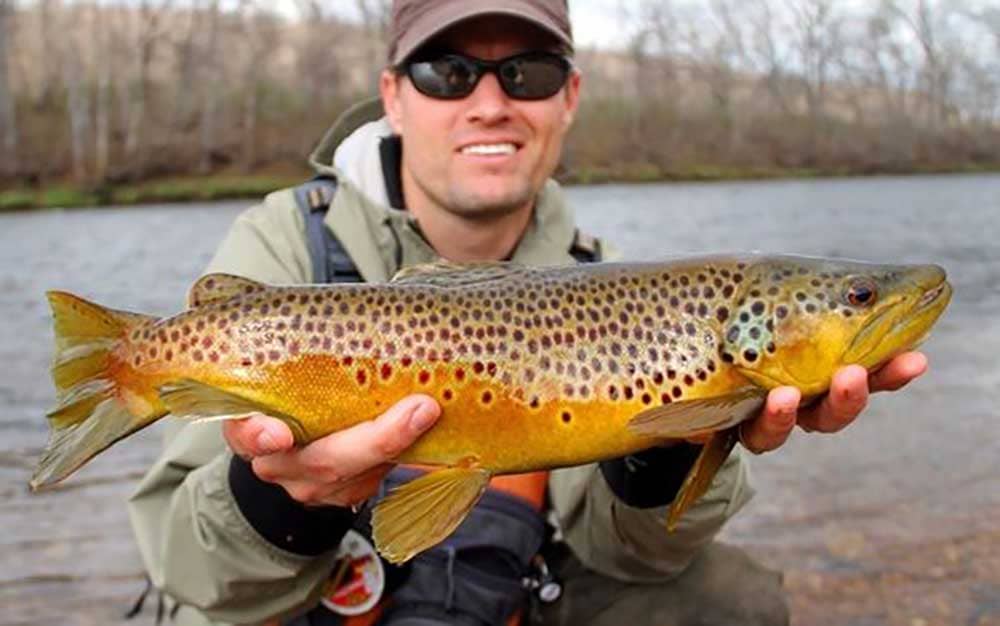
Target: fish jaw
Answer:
[[906, 325]]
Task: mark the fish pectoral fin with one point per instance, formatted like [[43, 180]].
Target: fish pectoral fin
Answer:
[[213, 287], [686, 418], [700, 476], [452, 274], [424, 511], [190, 399]]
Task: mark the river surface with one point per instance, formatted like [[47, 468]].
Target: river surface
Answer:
[[894, 521]]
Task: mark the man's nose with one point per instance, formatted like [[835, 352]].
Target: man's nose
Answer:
[[488, 104]]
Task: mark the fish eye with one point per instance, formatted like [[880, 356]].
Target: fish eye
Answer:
[[861, 293]]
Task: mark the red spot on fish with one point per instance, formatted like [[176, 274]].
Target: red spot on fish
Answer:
[[362, 377], [487, 396], [424, 377], [197, 355], [460, 374], [406, 361], [478, 367], [386, 371], [448, 394], [213, 357], [348, 361], [206, 342], [491, 368]]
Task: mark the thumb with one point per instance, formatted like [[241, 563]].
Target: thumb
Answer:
[[257, 435]]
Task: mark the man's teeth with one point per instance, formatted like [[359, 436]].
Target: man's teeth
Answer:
[[490, 148]]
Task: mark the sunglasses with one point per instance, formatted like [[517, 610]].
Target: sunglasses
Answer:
[[527, 76]]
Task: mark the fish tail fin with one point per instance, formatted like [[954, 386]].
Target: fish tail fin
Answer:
[[91, 413]]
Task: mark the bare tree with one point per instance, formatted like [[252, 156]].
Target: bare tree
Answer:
[[148, 29], [102, 97], [260, 36], [213, 73], [77, 101], [8, 103], [375, 22]]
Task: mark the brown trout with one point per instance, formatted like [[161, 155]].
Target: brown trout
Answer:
[[534, 368]]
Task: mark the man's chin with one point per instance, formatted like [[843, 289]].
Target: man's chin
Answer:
[[476, 204]]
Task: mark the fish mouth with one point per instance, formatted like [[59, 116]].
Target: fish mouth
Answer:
[[902, 326]]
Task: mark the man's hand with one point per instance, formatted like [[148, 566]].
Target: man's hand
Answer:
[[342, 469], [848, 396]]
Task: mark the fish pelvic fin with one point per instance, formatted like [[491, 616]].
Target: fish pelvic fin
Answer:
[[92, 411], [699, 478], [687, 418], [424, 511]]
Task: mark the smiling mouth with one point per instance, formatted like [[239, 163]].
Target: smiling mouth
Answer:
[[489, 149]]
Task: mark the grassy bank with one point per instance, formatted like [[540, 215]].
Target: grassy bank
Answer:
[[230, 187]]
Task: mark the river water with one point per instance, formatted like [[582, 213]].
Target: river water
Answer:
[[894, 521]]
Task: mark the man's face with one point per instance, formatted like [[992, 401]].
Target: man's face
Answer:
[[457, 153]]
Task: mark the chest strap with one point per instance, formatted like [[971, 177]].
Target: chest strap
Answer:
[[330, 262]]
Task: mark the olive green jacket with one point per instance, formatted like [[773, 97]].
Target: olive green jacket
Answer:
[[197, 546]]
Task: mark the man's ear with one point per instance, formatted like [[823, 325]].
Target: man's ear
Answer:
[[389, 88], [572, 95]]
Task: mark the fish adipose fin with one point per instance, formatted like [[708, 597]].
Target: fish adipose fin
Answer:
[[686, 418], [424, 511], [190, 399], [220, 287], [700, 476], [92, 412]]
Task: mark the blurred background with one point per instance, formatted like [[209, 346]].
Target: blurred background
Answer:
[[872, 129], [100, 97]]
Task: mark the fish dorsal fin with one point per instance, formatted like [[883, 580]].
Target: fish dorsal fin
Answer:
[[212, 287], [424, 511], [686, 418], [190, 399], [451, 274], [700, 476]]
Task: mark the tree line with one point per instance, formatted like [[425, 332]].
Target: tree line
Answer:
[[103, 92]]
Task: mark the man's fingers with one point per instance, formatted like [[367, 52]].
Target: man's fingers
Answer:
[[848, 396], [771, 428], [898, 372], [257, 435], [347, 453]]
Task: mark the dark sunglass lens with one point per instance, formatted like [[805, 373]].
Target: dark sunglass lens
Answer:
[[533, 78], [445, 77]]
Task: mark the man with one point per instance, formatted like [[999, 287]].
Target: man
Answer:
[[240, 526]]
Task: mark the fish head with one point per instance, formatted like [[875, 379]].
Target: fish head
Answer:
[[797, 320]]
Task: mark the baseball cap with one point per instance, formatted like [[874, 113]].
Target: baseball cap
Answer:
[[414, 22]]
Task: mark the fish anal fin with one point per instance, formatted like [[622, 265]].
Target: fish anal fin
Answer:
[[219, 287], [424, 511], [452, 274], [685, 418], [699, 478], [190, 399]]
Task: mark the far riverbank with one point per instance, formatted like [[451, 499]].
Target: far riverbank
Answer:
[[234, 186]]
